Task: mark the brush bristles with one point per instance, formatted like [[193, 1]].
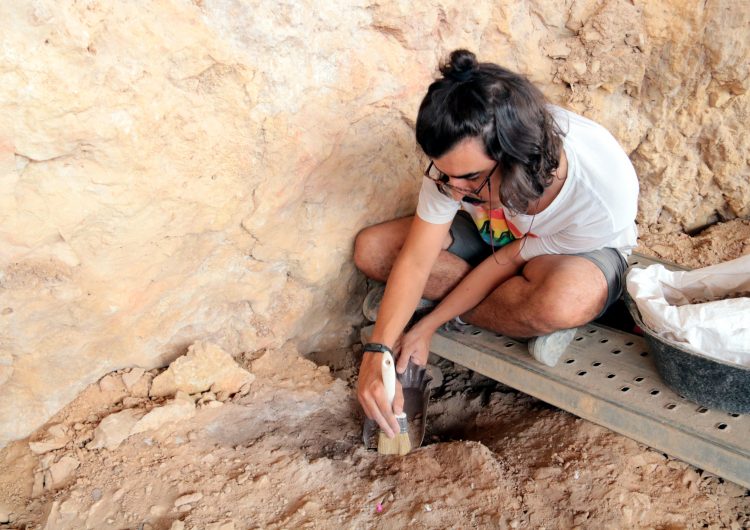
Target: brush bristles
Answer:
[[399, 444], [387, 446]]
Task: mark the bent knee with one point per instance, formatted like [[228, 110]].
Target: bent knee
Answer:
[[364, 244], [376, 247], [553, 313], [557, 307]]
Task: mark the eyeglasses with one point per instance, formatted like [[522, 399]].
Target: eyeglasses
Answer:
[[445, 187]]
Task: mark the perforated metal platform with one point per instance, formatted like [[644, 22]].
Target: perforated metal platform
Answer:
[[606, 376]]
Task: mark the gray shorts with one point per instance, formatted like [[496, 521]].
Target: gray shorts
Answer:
[[468, 245]]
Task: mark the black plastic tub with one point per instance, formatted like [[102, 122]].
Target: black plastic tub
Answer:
[[709, 382]]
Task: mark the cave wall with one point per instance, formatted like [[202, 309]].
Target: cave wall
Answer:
[[176, 171]]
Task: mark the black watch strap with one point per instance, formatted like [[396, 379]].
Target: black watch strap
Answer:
[[377, 347]]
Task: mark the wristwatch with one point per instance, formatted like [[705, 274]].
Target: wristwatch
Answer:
[[377, 347]]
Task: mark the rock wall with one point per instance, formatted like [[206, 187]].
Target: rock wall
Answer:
[[182, 171]]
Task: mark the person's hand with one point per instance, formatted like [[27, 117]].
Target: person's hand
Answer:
[[415, 345], [371, 394]]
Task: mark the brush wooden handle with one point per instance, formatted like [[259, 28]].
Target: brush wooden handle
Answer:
[[388, 371]]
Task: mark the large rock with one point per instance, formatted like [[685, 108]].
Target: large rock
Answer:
[[204, 367], [118, 426], [182, 171], [114, 429], [172, 412]]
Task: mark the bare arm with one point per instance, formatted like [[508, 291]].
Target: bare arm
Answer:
[[474, 288], [408, 278], [404, 288]]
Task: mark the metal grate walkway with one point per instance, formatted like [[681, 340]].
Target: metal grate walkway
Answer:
[[607, 376]]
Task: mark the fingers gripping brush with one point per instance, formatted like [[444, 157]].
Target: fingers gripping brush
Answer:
[[399, 444]]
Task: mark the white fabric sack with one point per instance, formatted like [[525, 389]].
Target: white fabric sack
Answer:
[[719, 329]]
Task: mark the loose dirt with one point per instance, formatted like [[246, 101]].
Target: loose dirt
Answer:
[[288, 453]]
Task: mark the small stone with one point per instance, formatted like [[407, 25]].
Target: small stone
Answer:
[[177, 525], [184, 508], [719, 99], [158, 510], [131, 402], [427, 508], [96, 494], [132, 377], [579, 67], [78, 426], [47, 445], [62, 471], [46, 461], [142, 387], [590, 35], [557, 49], [4, 517], [733, 490], [110, 383], [213, 404], [189, 498], [38, 487], [57, 431]]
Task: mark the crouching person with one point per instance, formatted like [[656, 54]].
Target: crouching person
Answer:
[[525, 218]]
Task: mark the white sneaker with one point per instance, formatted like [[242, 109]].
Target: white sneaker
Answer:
[[547, 349], [455, 324]]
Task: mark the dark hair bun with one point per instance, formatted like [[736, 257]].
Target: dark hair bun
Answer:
[[461, 66]]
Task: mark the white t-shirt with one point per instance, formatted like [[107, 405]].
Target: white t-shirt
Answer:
[[595, 207]]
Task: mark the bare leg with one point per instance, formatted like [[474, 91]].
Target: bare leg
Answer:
[[553, 292], [377, 246]]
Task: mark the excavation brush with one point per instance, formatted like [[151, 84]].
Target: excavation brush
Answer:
[[399, 444]]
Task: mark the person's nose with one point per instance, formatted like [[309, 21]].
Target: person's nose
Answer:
[[457, 194]]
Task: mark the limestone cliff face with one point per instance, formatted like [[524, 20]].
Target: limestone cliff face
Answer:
[[177, 171]]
